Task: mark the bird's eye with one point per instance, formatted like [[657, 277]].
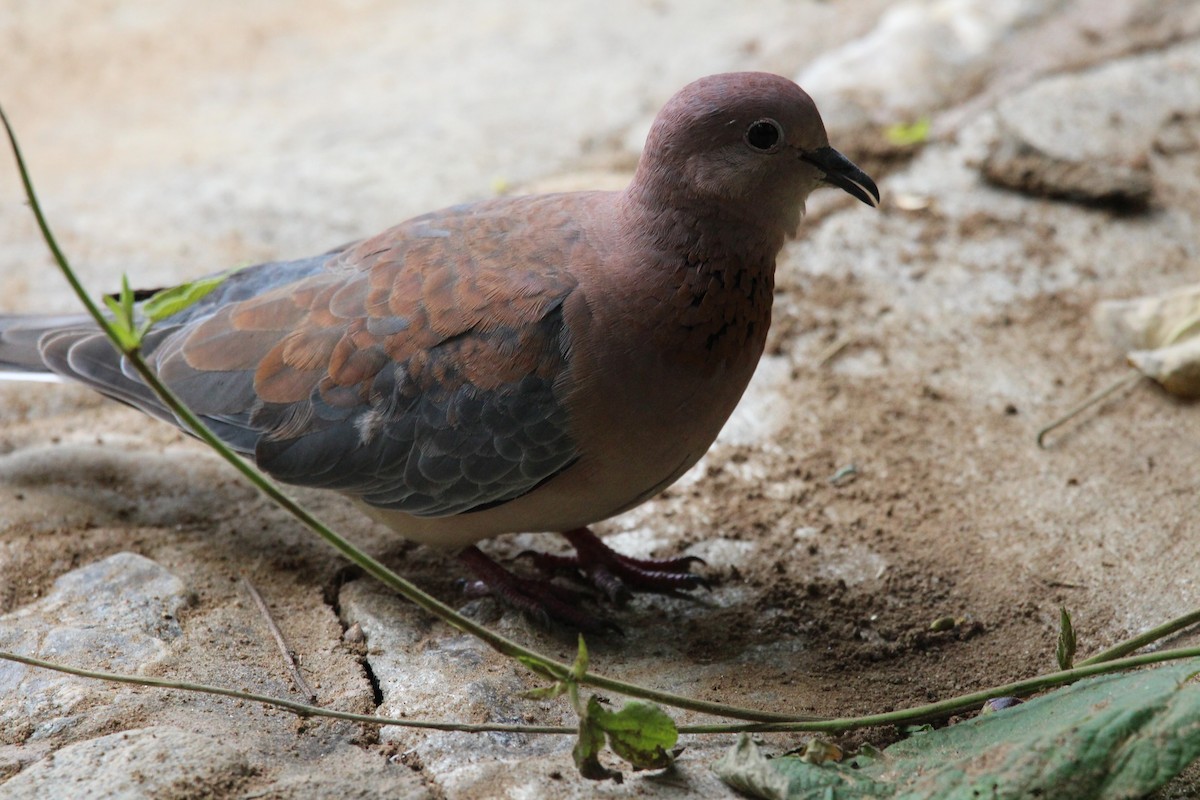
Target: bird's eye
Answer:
[[765, 135]]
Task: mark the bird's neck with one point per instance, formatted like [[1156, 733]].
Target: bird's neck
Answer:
[[671, 221], [710, 274]]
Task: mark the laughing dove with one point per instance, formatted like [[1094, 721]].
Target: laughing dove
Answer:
[[532, 363]]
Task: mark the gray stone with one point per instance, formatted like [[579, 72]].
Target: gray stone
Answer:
[[135, 764], [921, 56], [1126, 107], [116, 615], [425, 673], [341, 776]]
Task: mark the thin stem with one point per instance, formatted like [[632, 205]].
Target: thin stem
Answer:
[[1130, 378], [954, 705], [549, 666], [302, 709], [1143, 639], [50, 241], [908, 716], [285, 650]]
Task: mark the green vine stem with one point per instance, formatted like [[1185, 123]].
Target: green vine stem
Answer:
[[300, 709], [1143, 639], [909, 716]]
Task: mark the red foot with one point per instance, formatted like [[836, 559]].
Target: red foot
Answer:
[[616, 575]]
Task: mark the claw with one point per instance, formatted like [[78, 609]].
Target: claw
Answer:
[[618, 576], [546, 602]]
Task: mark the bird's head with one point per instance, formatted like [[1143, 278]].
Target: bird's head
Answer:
[[750, 142]]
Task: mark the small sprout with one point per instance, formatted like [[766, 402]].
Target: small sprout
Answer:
[[942, 624], [123, 323], [908, 134], [845, 475], [580, 666], [640, 733], [559, 687], [131, 320], [1065, 652]]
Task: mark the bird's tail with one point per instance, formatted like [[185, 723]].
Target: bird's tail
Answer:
[[20, 355]]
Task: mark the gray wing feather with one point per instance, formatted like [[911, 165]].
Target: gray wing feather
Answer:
[[436, 452]]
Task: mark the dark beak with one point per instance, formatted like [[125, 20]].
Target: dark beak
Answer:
[[839, 171]]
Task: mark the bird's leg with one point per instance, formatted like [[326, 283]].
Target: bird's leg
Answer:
[[617, 575], [543, 600]]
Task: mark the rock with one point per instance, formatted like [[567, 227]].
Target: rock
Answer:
[[116, 615], [1128, 108], [342, 776], [445, 677], [141, 763], [921, 56]]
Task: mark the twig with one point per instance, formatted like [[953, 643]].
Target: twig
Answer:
[[1132, 377], [833, 350], [1143, 639], [945, 708], [924, 713], [300, 709], [289, 655]]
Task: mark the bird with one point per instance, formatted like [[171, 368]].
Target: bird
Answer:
[[534, 363]]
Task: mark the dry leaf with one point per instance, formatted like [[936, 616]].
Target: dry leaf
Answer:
[[1160, 335]]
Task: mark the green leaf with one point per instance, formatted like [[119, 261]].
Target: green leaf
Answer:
[[538, 666], [587, 747], [171, 301], [641, 733], [1114, 736], [908, 134], [1065, 652], [580, 667], [746, 769], [557, 689], [114, 305], [127, 337]]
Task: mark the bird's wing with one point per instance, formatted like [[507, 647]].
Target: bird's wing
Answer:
[[422, 370]]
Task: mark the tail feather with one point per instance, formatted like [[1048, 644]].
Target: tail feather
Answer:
[[71, 347], [20, 357]]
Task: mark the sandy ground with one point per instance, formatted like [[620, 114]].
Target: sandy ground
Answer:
[[168, 141]]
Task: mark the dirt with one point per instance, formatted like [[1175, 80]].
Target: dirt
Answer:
[[855, 501]]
